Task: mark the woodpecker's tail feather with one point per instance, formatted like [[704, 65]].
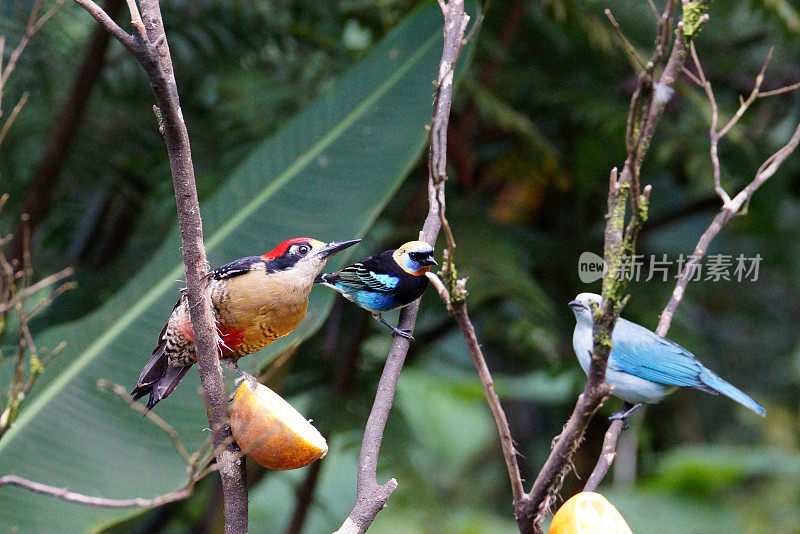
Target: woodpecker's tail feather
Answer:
[[158, 379]]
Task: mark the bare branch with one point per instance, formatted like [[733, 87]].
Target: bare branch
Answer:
[[458, 307], [35, 288], [304, 499], [168, 429], [730, 209], [13, 116], [750, 99], [44, 18], [689, 74], [150, 48], [628, 46], [607, 455], [370, 496], [98, 502], [774, 92], [108, 23]]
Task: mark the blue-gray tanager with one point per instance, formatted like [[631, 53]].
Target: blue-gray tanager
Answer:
[[644, 367]]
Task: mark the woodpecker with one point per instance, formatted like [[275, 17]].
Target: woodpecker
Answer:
[[256, 300], [386, 281]]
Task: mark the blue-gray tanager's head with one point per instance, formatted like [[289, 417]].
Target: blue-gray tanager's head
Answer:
[[582, 308], [643, 366]]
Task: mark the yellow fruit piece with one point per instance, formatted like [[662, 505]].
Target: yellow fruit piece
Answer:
[[588, 513], [271, 432]]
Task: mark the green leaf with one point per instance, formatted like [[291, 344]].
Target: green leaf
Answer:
[[327, 174]]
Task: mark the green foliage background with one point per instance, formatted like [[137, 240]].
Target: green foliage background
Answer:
[[537, 124]]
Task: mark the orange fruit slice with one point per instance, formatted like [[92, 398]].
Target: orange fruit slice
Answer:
[[588, 513], [271, 432]]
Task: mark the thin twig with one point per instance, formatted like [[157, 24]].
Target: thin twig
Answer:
[[13, 116], [774, 92], [98, 502], [750, 99], [628, 46], [459, 310], [168, 429], [692, 77], [35, 288], [30, 30], [607, 455], [108, 23]]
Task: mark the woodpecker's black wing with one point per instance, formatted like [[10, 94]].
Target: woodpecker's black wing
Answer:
[[237, 267]]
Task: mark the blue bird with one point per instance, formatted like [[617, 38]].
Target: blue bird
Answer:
[[644, 367], [386, 281]]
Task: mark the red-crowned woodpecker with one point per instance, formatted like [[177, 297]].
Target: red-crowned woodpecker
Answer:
[[387, 281], [256, 300]]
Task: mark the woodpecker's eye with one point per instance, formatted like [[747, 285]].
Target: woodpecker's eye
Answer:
[[303, 249]]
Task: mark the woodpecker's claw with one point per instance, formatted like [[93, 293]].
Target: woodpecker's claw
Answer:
[[243, 375]]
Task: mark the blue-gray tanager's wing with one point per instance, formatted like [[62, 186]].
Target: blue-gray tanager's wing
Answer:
[[640, 352]]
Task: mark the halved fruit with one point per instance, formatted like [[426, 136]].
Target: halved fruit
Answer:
[[271, 432], [588, 513]]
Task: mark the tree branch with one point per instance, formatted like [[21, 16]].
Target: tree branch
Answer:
[[732, 206], [730, 209], [98, 502], [149, 45], [458, 307], [108, 23], [647, 106], [304, 498], [371, 497], [607, 453]]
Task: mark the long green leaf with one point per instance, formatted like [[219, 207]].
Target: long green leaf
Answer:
[[327, 175]]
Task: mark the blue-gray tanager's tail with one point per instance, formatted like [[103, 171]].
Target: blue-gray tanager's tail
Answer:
[[716, 383]]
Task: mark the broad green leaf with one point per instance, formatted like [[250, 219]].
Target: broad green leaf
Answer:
[[327, 175]]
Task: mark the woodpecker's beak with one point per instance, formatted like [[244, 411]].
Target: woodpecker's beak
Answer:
[[332, 248], [574, 304], [428, 261]]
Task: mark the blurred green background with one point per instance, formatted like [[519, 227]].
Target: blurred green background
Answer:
[[537, 123]]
